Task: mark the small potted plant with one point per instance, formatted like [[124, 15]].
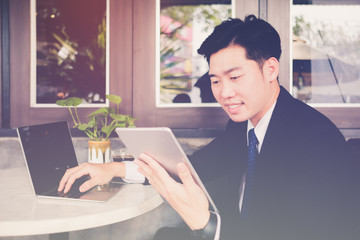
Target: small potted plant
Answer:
[[99, 126]]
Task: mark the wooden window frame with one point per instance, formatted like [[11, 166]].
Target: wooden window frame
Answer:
[[278, 11], [120, 74], [144, 76]]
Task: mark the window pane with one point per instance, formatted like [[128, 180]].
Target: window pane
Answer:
[[326, 51], [184, 25], [70, 50]]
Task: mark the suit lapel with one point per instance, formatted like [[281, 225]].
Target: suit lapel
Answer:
[[270, 161], [277, 126]]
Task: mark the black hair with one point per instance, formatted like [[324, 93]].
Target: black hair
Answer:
[[260, 40]]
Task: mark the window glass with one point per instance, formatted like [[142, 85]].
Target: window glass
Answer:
[[326, 51], [69, 50], [183, 26]]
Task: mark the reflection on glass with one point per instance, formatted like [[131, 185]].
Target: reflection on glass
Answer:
[[183, 27], [325, 50], [70, 50]]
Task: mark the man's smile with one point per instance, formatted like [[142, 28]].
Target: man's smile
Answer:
[[233, 107]]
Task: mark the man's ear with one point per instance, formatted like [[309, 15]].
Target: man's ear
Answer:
[[271, 69]]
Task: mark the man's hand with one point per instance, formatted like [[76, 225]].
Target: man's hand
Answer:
[[99, 174], [187, 198]]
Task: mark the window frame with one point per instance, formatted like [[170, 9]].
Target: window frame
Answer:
[[145, 76], [33, 61], [335, 112], [120, 65]]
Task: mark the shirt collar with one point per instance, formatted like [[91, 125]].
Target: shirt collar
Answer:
[[261, 127]]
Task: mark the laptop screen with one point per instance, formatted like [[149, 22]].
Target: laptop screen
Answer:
[[48, 151]]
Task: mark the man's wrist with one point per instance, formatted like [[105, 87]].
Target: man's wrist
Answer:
[[119, 169], [208, 232]]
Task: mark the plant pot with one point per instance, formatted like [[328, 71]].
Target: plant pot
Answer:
[[99, 151]]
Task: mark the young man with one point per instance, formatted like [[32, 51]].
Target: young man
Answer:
[[302, 184], [291, 179]]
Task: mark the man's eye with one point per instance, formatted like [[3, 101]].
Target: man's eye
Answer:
[[234, 78], [214, 80]]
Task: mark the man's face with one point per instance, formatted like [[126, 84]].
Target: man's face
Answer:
[[239, 85]]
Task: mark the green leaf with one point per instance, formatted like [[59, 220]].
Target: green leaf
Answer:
[[120, 125], [103, 111], [91, 123], [131, 122], [114, 99], [69, 102], [107, 129], [118, 117], [83, 126], [111, 110], [61, 103]]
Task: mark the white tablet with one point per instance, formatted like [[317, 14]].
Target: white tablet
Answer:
[[161, 144]]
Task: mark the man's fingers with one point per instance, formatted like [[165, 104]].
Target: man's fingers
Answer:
[[155, 173], [185, 175], [149, 160], [150, 173], [65, 178], [61, 184], [154, 166], [87, 185], [75, 175]]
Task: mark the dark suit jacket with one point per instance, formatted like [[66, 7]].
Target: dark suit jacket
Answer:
[[305, 183]]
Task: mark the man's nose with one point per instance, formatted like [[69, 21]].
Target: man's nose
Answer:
[[227, 90]]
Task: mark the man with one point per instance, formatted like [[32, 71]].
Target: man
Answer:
[[291, 179]]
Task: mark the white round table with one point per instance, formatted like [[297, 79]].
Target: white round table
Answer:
[[22, 213]]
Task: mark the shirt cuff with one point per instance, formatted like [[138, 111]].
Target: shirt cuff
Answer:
[[131, 173]]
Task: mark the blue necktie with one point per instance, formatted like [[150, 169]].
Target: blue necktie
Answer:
[[252, 154]]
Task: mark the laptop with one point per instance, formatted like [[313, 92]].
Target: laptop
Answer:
[[161, 144], [49, 152]]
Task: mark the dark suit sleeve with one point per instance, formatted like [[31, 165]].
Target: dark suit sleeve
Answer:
[[327, 200]]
